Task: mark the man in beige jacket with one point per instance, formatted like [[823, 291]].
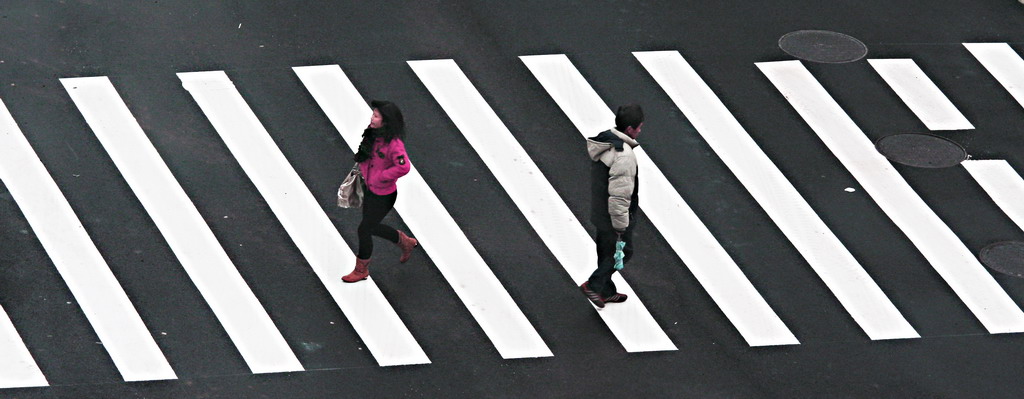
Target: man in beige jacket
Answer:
[[614, 203]]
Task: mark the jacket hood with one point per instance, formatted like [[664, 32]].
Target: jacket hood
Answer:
[[606, 141]]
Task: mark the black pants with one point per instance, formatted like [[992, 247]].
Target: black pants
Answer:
[[375, 207], [601, 280]]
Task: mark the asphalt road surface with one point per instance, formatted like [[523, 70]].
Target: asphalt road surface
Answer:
[[170, 233]]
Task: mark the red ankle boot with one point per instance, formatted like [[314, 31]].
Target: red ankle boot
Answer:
[[361, 271], [406, 243]]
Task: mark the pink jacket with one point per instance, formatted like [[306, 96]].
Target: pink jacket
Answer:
[[387, 162]]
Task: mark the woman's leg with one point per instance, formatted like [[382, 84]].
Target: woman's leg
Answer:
[[375, 207]]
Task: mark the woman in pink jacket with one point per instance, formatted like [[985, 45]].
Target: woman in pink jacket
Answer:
[[382, 160]]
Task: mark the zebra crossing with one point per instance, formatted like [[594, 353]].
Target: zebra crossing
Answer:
[[364, 305], [719, 275], [471, 278], [101, 298], [847, 279], [203, 258], [132, 348], [563, 234], [936, 241]]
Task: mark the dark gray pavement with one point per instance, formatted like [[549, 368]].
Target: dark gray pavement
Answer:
[[141, 45]]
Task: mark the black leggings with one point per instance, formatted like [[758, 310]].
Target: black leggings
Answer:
[[375, 207]]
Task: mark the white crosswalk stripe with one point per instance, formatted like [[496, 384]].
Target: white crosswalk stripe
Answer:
[[104, 302], [1002, 183], [845, 277], [631, 323], [373, 318], [188, 235], [473, 281], [17, 367], [946, 253], [675, 220], [920, 94], [1004, 64], [136, 356]]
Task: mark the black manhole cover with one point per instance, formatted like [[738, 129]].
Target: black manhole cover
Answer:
[[921, 150], [823, 46], [1006, 257]]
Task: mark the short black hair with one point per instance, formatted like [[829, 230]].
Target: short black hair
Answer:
[[628, 116]]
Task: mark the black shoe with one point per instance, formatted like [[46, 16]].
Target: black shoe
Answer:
[[591, 295], [616, 298]]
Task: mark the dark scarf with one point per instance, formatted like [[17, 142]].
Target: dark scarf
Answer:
[[608, 137], [366, 146]]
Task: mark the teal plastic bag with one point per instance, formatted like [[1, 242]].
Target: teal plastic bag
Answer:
[[619, 255]]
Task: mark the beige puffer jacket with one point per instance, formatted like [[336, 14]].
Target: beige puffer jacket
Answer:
[[621, 176]]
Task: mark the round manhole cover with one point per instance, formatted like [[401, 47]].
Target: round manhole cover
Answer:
[[823, 46], [1006, 257], [921, 150]]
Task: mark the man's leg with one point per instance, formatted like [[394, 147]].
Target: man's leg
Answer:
[[612, 296], [601, 280]]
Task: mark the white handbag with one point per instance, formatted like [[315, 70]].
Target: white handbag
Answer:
[[350, 194]]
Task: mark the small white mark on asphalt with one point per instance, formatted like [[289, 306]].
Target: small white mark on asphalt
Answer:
[[239, 26], [850, 189]]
